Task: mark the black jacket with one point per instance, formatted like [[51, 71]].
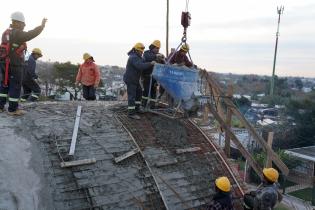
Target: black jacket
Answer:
[[30, 67], [135, 66], [149, 56], [19, 37], [221, 201]]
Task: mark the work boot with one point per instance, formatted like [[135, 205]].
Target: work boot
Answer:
[[17, 112], [134, 116], [140, 110]]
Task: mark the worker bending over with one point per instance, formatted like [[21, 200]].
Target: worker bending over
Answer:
[[135, 66], [180, 57], [267, 194], [151, 55], [31, 89], [12, 51], [89, 76]]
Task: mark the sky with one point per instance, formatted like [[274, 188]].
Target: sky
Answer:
[[226, 36]]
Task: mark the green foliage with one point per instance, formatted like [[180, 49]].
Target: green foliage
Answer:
[[236, 123], [65, 74], [304, 194], [261, 157], [243, 104]]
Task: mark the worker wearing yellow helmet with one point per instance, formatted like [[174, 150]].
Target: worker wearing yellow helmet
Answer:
[[134, 68], [152, 54], [89, 76], [13, 48], [222, 199], [31, 88], [180, 57], [267, 195]]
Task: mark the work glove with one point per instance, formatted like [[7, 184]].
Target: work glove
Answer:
[[44, 22], [160, 56]]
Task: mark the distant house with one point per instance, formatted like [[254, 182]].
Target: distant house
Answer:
[[306, 89], [305, 171]]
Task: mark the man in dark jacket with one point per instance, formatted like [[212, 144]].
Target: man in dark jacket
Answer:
[[31, 89], [222, 199], [267, 194], [180, 57], [135, 66], [151, 55], [17, 39]]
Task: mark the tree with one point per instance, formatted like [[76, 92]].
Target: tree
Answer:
[[298, 83], [65, 74]]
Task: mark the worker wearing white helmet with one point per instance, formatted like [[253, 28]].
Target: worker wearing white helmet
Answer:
[[12, 51]]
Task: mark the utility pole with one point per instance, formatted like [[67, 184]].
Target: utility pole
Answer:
[[167, 26], [280, 12]]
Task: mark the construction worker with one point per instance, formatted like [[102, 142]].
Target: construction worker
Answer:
[[151, 55], [180, 57], [89, 76], [135, 66], [267, 194], [222, 199], [14, 45], [31, 89]]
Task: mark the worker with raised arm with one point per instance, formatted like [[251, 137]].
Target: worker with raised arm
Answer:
[[180, 57], [89, 76], [267, 195], [31, 89], [134, 68], [12, 52], [151, 55], [222, 199]]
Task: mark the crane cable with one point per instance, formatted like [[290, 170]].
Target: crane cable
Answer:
[[185, 21]]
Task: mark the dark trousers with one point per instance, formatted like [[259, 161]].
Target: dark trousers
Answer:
[[161, 91], [134, 92], [146, 89], [89, 92], [31, 89], [249, 201], [13, 90]]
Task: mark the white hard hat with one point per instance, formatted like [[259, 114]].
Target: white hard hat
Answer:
[[18, 16]]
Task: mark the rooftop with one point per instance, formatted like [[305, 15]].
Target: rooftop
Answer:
[[306, 153]]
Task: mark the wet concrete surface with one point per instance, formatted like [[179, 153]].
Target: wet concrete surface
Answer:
[[33, 146], [22, 182]]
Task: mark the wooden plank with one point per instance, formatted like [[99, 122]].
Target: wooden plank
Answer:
[[77, 163], [270, 140], [191, 149], [240, 147], [126, 155], [75, 131], [283, 168], [227, 145], [166, 162]]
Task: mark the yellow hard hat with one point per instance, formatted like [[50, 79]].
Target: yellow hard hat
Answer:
[[156, 43], [271, 174], [86, 56], [37, 51], [223, 184], [185, 47], [139, 46]]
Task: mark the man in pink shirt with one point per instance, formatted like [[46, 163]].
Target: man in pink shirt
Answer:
[[89, 76]]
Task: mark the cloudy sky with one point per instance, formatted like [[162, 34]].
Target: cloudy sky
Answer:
[[236, 36]]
